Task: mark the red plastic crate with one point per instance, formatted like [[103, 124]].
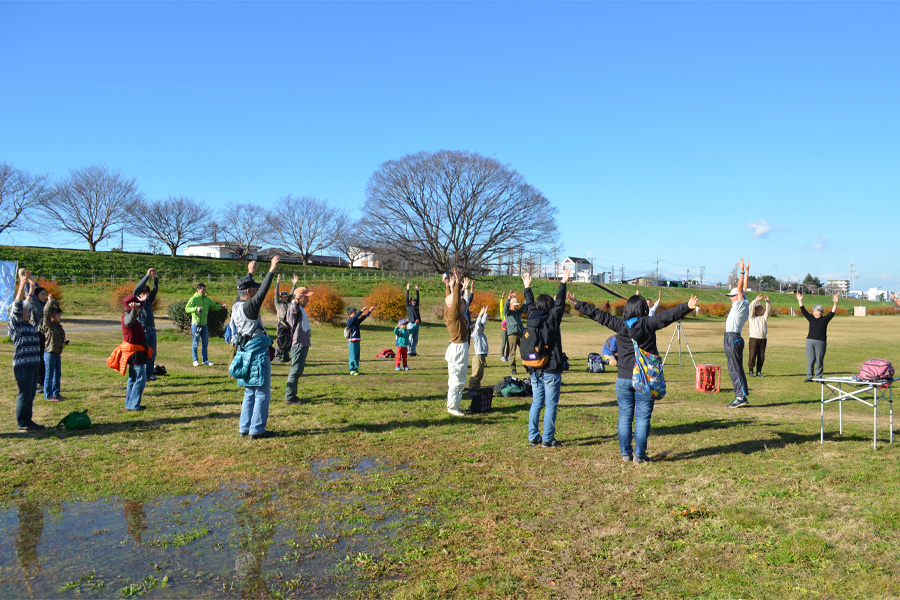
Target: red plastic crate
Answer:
[[709, 378]]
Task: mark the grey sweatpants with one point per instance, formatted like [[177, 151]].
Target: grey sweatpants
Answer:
[[734, 353], [815, 356]]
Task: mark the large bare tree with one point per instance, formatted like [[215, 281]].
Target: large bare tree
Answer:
[[306, 225], [455, 209], [175, 221], [20, 191], [351, 244], [244, 224], [92, 203]]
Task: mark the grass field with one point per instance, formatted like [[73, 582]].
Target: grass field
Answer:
[[738, 503]]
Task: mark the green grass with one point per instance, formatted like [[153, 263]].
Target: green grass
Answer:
[[738, 504]]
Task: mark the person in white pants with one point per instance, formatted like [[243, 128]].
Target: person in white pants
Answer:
[[457, 354]]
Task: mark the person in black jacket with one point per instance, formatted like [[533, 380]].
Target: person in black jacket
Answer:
[[546, 315], [145, 316], [636, 326], [413, 316], [817, 338]]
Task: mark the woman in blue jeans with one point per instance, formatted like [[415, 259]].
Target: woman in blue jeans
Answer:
[[544, 316], [636, 326]]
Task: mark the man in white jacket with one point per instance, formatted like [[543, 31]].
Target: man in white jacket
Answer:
[[758, 321]]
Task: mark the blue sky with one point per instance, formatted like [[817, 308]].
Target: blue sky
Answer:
[[694, 133]]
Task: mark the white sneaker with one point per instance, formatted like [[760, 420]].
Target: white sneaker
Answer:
[[456, 413], [207, 363], [196, 364]]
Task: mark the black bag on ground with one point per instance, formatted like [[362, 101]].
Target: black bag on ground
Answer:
[[595, 363], [522, 384], [159, 370], [482, 400]]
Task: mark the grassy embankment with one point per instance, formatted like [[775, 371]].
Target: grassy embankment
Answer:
[[738, 503]]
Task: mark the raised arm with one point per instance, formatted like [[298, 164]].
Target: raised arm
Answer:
[[742, 280], [667, 317], [252, 306]]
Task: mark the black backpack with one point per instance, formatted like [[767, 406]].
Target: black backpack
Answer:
[[482, 400], [533, 348], [595, 363]]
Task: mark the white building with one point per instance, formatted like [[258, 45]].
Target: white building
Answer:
[[581, 270], [838, 286], [877, 294], [365, 258], [220, 250]]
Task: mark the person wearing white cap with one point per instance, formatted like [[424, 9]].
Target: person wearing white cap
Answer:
[[734, 343]]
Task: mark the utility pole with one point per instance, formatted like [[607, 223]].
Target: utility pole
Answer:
[[657, 271], [622, 275], [122, 239], [702, 269], [851, 275], [612, 273], [591, 258]]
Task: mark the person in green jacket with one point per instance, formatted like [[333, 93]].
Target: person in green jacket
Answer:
[[199, 307]]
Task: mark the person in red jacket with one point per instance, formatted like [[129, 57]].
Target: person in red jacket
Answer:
[[133, 333]]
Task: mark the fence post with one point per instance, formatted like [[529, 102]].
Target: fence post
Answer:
[[93, 278], [208, 280], [179, 279], [223, 278], [74, 280], [195, 279]]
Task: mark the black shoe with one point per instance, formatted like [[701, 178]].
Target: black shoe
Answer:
[[31, 428], [554, 443], [807, 380], [514, 372], [39, 389], [264, 434], [760, 374], [535, 441], [243, 433], [738, 402], [294, 400], [413, 354], [639, 460], [151, 378], [751, 374]]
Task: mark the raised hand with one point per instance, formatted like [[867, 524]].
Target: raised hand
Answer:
[[767, 298], [571, 298], [835, 298], [407, 286], [741, 265], [151, 272], [417, 287], [692, 303], [760, 297], [252, 267], [278, 279], [566, 274], [526, 279], [799, 297], [465, 282], [295, 279], [273, 264]]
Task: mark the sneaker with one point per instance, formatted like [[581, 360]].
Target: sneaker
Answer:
[[514, 372], [504, 359], [641, 460], [151, 378], [207, 363], [406, 368], [354, 372], [39, 389], [536, 441], [554, 443], [807, 380], [760, 374], [263, 435], [738, 402], [138, 408], [243, 433], [294, 400], [398, 369], [456, 412], [196, 363], [413, 354], [751, 374], [626, 458], [54, 399], [31, 428]]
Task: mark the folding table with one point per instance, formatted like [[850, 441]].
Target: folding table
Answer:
[[857, 387]]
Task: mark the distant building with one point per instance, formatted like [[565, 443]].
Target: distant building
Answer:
[[877, 295], [581, 270], [365, 258], [294, 258], [221, 250], [838, 286]]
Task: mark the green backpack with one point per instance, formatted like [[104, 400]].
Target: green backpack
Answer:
[[75, 420]]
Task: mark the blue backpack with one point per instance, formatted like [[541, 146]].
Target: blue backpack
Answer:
[[229, 334], [595, 363]]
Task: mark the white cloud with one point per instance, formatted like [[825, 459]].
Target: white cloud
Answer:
[[760, 229], [820, 243]]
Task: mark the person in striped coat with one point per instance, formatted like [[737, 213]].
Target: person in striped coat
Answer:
[[27, 359]]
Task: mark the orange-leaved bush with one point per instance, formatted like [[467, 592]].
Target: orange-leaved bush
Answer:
[[389, 302], [480, 299], [123, 291], [325, 305], [53, 289]]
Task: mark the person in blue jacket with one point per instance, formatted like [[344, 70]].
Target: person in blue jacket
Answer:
[[354, 318]]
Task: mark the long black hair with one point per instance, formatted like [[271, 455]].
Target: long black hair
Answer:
[[544, 303], [636, 307]]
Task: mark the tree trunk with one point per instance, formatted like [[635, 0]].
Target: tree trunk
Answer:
[[93, 245], [173, 250]]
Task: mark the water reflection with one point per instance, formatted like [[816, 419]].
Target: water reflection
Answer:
[[136, 519]]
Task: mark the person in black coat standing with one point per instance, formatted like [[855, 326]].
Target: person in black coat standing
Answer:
[[636, 327], [545, 317], [413, 316]]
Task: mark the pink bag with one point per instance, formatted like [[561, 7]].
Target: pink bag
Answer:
[[876, 369]]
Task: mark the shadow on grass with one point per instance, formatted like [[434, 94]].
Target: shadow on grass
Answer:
[[699, 426], [781, 439]]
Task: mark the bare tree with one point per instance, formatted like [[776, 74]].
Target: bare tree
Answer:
[[20, 191], [454, 208], [92, 203], [175, 221], [306, 225], [244, 224], [351, 244]]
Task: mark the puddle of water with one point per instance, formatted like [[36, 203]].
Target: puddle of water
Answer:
[[231, 543]]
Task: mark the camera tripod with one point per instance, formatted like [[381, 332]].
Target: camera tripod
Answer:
[[679, 333]]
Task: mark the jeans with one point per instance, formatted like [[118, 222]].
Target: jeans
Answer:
[[413, 340], [199, 333], [734, 354], [52, 374], [633, 407], [26, 380], [545, 387], [353, 351], [137, 379], [298, 363], [150, 334], [255, 409]]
